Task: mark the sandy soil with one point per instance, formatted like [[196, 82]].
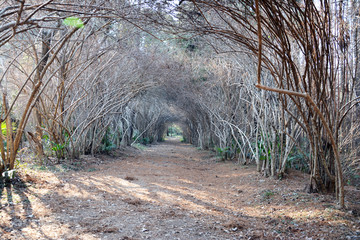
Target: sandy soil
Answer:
[[170, 191]]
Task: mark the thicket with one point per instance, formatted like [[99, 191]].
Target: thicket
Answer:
[[274, 83]]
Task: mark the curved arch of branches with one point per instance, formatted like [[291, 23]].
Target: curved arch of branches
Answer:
[[285, 84]]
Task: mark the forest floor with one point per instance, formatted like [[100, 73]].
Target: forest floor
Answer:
[[169, 191]]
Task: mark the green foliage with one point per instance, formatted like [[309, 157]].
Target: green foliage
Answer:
[[174, 130], [4, 128], [107, 142], [139, 146], [268, 194], [219, 150], [264, 154], [224, 153], [19, 165], [57, 148], [297, 160], [73, 22], [146, 140], [4, 131], [56, 168], [190, 45], [135, 137], [46, 137], [183, 139]]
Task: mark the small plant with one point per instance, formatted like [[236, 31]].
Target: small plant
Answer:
[[268, 194], [264, 154], [57, 148], [145, 141], [42, 168], [297, 160], [19, 165], [107, 142], [139, 146], [224, 153]]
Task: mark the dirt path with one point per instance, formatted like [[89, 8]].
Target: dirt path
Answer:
[[170, 191]]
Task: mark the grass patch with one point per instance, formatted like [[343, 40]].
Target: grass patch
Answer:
[[268, 194], [139, 146], [56, 168]]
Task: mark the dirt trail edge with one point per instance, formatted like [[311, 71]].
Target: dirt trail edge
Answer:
[[171, 191]]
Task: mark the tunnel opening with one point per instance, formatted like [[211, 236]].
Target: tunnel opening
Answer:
[[174, 131]]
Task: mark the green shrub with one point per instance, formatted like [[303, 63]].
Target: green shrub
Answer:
[[224, 153], [107, 143], [297, 160]]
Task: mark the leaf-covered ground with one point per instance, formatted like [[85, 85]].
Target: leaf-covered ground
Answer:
[[170, 191]]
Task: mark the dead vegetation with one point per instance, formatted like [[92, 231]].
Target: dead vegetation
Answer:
[[171, 197]]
